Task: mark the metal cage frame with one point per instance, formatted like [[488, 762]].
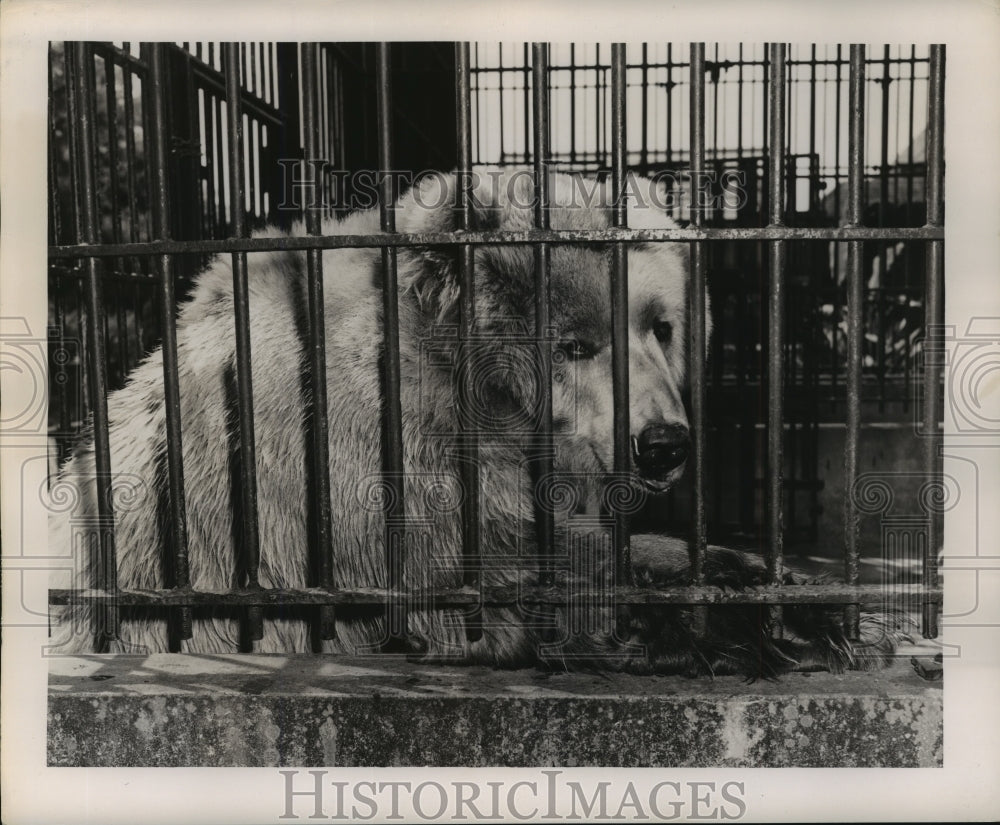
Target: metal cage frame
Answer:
[[472, 596]]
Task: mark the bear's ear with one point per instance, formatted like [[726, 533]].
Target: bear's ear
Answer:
[[430, 274], [429, 206]]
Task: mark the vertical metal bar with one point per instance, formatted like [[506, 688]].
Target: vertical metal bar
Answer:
[[855, 332], [393, 443], [78, 92], [934, 319], [111, 104], [327, 625], [696, 305], [181, 629], [527, 101], [131, 161], [502, 123], [644, 88], [670, 108], [542, 461], [572, 103], [210, 162], [467, 318], [776, 313], [883, 207], [619, 312], [813, 158], [254, 627], [739, 106]]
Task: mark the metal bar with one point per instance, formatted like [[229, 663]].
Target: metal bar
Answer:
[[572, 103], [527, 101], [171, 385], [467, 319], [107, 629], [934, 319], [492, 238], [395, 534], [254, 627], [505, 595], [542, 460], [883, 205], [670, 108], [696, 307], [776, 315], [622, 460], [111, 106], [620, 310], [855, 331], [327, 626]]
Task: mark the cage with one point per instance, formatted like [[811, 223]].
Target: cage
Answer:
[[806, 180]]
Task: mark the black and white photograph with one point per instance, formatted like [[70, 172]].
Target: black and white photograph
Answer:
[[419, 418]]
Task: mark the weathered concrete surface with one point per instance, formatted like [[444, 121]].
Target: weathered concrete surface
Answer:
[[207, 710]]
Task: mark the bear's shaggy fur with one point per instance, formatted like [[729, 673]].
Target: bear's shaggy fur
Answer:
[[737, 639]]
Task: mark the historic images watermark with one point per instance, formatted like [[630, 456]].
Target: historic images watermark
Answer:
[[317, 184], [551, 796]]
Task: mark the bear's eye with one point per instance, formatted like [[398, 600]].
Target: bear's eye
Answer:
[[575, 349], [664, 331]]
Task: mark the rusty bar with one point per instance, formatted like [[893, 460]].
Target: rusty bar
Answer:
[[77, 91], [696, 307], [619, 327], [883, 214], [542, 460], [395, 535], [326, 626], [505, 595], [483, 238], [619, 310], [254, 629], [776, 319], [171, 384], [111, 109], [934, 322], [467, 319], [855, 331]]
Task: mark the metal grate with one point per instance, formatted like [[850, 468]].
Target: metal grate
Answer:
[[93, 253]]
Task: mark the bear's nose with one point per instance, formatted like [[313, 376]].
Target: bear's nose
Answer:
[[661, 448]]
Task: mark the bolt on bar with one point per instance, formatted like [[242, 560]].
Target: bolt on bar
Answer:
[[542, 464], [254, 627], [467, 318], [855, 332], [620, 327], [395, 535], [776, 316], [327, 625], [171, 385], [934, 321], [696, 306], [107, 629]]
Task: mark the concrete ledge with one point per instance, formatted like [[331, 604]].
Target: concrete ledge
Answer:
[[228, 710]]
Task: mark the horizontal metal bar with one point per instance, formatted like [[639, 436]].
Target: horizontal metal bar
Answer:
[[583, 236], [502, 596]]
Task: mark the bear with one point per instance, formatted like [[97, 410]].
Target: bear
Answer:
[[500, 359]]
